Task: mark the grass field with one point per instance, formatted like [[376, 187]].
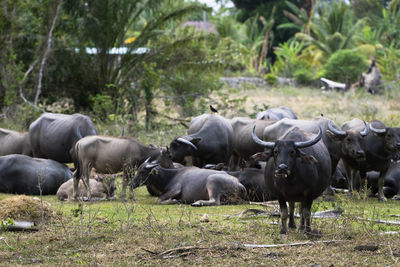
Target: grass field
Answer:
[[146, 234]]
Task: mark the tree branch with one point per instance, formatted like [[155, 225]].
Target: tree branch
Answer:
[[46, 53]]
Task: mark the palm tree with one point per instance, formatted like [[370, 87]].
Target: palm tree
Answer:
[[332, 29], [106, 24]]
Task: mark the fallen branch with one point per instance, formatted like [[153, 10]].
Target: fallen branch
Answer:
[[292, 244], [175, 252], [273, 203], [378, 221]]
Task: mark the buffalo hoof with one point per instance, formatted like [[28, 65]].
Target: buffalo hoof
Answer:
[[284, 231], [382, 198], [292, 225], [313, 233], [396, 197]]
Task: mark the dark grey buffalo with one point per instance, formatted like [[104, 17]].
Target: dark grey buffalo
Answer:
[[338, 142], [110, 155], [276, 114], [13, 142], [243, 145], [53, 136], [352, 134], [298, 170], [209, 140], [20, 174], [252, 178], [391, 185], [380, 145], [190, 185]]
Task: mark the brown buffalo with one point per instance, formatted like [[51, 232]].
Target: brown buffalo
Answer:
[[101, 187], [110, 155]]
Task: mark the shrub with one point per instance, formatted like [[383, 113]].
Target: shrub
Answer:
[[303, 76], [271, 78], [345, 66]]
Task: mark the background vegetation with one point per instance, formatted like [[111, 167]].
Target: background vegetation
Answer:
[[122, 62]]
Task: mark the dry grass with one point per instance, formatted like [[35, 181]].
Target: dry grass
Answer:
[[27, 208]]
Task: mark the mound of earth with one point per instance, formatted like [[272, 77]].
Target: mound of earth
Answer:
[[24, 208]]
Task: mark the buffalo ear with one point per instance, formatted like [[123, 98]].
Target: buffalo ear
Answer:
[[154, 171], [262, 156], [333, 136], [305, 158], [195, 140]]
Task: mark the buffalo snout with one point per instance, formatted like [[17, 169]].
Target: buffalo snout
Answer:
[[282, 171], [360, 155]]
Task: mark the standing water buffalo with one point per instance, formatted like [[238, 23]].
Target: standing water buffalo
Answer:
[[209, 140], [380, 145], [20, 174], [352, 134], [191, 185], [12, 142], [276, 114], [298, 170], [53, 136], [109, 155]]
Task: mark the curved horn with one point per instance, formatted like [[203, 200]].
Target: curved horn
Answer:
[[309, 142], [259, 141], [151, 165], [336, 131], [366, 130], [375, 130], [147, 160], [184, 141]]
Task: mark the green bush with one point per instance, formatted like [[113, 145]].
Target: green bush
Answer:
[[345, 66], [102, 105], [303, 76], [271, 78]]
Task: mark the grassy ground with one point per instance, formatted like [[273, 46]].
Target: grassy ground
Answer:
[[144, 233]]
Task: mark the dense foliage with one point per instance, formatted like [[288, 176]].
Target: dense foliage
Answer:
[[120, 59]]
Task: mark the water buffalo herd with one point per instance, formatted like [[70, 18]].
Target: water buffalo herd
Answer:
[[219, 160]]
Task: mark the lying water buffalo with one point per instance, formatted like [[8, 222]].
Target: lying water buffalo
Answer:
[[53, 136], [12, 142], [209, 140], [298, 170], [191, 185], [101, 187], [252, 178], [110, 155], [20, 174], [276, 114]]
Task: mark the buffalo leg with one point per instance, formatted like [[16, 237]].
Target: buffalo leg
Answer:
[[213, 198], [381, 181], [350, 178], [169, 196], [125, 182], [363, 183], [307, 216], [76, 187], [292, 222], [301, 227], [284, 216]]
